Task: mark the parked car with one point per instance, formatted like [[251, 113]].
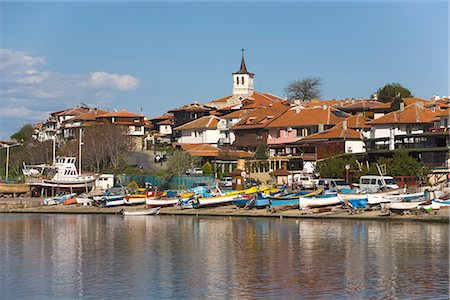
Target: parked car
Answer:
[[304, 181], [226, 182], [374, 183], [333, 184], [195, 171]]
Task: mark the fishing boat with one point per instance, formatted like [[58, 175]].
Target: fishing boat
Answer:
[[169, 198], [61, 176], [405, 197], [14, 188], [357, 203], [442, 202], [402, 206], [318, 201], [146, 212], [84, 200], [135, 199], [113, 200], [58, 199]]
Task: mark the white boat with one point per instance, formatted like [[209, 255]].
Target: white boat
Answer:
[[402, 206], [377, 198], [84, 200], [207, 201], [318, 201], [134, 200], [442, 202], [161, 202], [414, 197], [152, 211], [62, 175]]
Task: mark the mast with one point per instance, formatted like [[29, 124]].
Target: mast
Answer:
[[79, 152]]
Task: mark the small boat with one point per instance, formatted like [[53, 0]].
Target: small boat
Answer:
[[209, 201], [415, 197], [318, 201], [442, 202], [14, 188], [357, 203], [377, 198], [151, 211], [402, 206], [115, 200], [58, 199], [135, 199], [70, 201], [84, 200], [430, 205]]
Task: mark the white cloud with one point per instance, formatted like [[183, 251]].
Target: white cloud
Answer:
[[113, 80], [28, 92]]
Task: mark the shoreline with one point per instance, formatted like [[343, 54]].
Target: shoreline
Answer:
[[34, 206]]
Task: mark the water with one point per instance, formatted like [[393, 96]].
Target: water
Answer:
[[99, 256]]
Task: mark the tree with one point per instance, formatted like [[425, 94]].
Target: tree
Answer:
[[402, 164], [262, 151], [177, 164], [392, 92], [207, 168], [104, 145], [24, 134], [304, 89]]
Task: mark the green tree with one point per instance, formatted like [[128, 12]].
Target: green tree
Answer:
[[393, 92], [24, 134], [177, 164], [402, 164], [207, 168], [304, 89], [262, 151]]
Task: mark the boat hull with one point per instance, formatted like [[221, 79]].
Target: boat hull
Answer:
[[147, 212], [312, 202]]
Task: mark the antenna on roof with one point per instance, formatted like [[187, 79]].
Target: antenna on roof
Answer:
[[84, 105]]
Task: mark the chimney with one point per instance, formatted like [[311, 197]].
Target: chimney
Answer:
[[402, 106], [344, 124]]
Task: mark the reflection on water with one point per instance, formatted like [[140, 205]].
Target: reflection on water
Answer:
[[67, 256]]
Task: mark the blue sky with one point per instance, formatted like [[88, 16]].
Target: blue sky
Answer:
[[158, 56]]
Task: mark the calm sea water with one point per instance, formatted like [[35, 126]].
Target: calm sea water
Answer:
[[99, 257]]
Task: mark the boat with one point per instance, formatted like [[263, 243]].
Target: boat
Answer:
[[146, 212], [61, 176], [357, 203], [377, 198], [207, 201], [14, 188], [318, 201], [402, 206], [113, 200], [442, 202], [405, 197], [58, 199], [135, 199]]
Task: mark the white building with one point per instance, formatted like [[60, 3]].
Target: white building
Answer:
[[201, 131]]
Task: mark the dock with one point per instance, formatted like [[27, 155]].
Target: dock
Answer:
[[34, 205]]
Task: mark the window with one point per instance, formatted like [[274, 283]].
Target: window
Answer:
[[237, 80], [242, 79], [259, 135]]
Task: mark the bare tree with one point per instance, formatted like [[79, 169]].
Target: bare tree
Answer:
[[304, 89], [104, 145]]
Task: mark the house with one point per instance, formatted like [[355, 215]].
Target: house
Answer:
[[200, 131], [297, 123], [412, 119], [70, 127], [227, 136], [134, 123], [251, 130], [163, 125], [188, 113]]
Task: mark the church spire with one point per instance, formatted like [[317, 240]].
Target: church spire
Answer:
[[243, 69]]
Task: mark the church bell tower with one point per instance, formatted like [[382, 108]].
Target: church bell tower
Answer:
[[243, 81]]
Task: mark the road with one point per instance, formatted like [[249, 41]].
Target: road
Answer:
[[145, 159]]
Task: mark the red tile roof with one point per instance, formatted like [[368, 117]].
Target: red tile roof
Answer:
[[237, 114], [363, 105], [194, 107], [123, 114], [260, 118], [74, 111], [413, 113], [89, 116], [409, 101], [299, 117], [205, 150], [206, 122], [220, 100], [336, 132], [357, 122]]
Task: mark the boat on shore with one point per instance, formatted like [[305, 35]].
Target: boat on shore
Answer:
[[59, 199], [14, 188], [146, 212], [319, 201], [61, 176]]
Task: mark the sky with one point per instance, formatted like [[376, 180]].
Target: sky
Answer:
[[157, 56]]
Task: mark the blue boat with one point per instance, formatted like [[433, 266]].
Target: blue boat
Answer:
[[358, 203]]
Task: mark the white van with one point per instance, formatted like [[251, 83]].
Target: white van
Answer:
[[305, 181], [374, 183]]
